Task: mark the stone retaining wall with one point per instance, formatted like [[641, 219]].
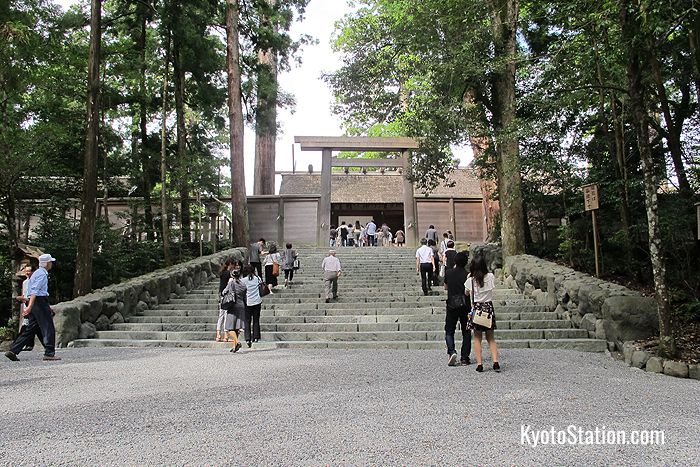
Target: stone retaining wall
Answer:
[[606, 310], [82, 317]]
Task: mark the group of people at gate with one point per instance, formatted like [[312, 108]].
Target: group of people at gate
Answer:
[[369, 234]]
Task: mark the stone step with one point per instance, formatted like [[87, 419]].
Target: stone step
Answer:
[[334, 327], [346, 336], [585, 345], [428, 316]]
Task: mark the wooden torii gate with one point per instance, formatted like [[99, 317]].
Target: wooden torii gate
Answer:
[[328, 144]]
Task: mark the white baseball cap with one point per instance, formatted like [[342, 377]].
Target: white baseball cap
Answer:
[[46, 258]]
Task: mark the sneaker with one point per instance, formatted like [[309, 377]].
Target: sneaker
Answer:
[[328, 300], [452, 360], [480, 368], [28, 348], [51, 358], [465, 361], [12, 356], [496, 367], [250, 344], [236, 348]]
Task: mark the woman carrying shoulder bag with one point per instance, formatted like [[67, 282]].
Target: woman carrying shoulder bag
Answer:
[[271, 271], [479, 285], [253, 304], [224, 276]]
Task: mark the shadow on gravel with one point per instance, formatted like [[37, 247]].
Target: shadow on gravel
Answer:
[[21, 381]]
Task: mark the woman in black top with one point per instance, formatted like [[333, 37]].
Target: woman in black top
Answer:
[[457, 310]]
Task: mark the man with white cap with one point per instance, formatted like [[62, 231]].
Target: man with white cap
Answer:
[[39, 313], [331, 273]]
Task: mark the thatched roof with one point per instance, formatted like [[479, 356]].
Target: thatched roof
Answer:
[[376, 187]]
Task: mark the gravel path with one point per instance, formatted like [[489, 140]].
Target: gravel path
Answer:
[[144, 406]]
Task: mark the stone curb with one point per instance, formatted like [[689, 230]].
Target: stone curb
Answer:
[[644, 360]]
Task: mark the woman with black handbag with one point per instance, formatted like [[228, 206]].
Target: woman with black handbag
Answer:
[[479, 285], [224, 276], [457, 310]]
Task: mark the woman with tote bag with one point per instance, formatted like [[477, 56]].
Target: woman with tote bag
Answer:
[[479, 285]]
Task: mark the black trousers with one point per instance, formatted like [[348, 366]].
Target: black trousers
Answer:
[[252, 322], [289, 274], [258, 268], [451, 319], [426, 276], [39, 319]]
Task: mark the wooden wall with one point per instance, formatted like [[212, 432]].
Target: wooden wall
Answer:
[[283, 219], [464, 218]]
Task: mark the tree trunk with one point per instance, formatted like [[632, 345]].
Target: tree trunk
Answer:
[[164, 203], [504, 16], [266, 119], [631, 33], [673, 136], [694, 40], [489, 187], [182, 162], [146, 184], [239, 202], [621, 159], [83, 261]]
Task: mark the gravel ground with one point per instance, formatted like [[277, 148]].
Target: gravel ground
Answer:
[[317, 407]]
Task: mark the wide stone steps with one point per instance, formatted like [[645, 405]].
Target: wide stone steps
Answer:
[[328, 327], [585, 345], [380, 305]]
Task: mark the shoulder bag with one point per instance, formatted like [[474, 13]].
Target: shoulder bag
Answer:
[[296, 264], [228, 295], [456, 302], [481, 315], [263, 289], [275, 266]]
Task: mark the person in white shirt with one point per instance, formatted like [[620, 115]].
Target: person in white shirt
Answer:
[[331, 272], [425, 264], [479, 285]]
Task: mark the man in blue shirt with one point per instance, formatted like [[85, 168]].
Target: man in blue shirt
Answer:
[[39, 313]]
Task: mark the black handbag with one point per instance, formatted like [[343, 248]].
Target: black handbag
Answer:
[[456, 302], [228, 295]]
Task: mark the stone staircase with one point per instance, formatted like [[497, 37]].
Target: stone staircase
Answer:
[[380, 305]]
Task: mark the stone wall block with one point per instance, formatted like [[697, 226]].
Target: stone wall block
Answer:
[[67, 322], [628, 318], [677, 369], [655, 365]]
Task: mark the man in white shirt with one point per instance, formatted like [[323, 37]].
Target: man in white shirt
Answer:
[[371, 233], [425, 264], [331, 272]]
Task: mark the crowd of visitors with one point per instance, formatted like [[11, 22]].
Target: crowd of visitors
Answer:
[[469, 296], [370, 234], [242, 287]]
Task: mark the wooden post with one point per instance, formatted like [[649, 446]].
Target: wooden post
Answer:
[[324, 203], [590, 198], [409, 203], [453, 219], [280, 223], [595, 243]]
